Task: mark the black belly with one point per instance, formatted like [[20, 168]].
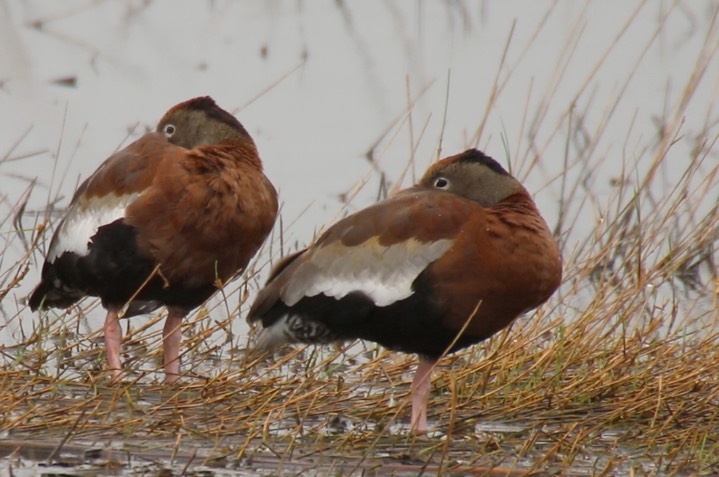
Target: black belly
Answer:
[[412, 325], [115, 271]]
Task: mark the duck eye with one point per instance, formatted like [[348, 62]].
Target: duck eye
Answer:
[[441, 183], [169, 130]]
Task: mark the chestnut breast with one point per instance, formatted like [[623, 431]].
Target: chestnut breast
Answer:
[[216, 208], [503, 263]]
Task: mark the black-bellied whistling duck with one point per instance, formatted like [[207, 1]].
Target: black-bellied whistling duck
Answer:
[[431, 270], [164, 221]]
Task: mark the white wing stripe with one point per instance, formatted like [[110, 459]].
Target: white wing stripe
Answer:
[[82, 221], [385, 274]]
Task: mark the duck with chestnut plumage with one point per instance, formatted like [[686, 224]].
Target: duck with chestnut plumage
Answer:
[[165, 221], [435, 268]]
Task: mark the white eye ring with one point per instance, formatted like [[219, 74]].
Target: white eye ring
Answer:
[[169, 130], [441, 183]]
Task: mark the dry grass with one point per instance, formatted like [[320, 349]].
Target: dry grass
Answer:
[[616, 374]]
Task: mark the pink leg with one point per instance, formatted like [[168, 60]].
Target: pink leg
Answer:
[[420, 394], [171, 338], [113, 342]]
